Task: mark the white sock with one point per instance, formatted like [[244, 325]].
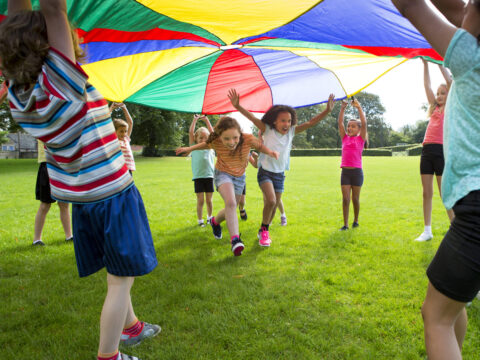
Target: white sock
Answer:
[[209, 217], [428, 229], [200, 221], [283, 215]]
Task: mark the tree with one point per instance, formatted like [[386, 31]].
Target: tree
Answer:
[[6, 120]]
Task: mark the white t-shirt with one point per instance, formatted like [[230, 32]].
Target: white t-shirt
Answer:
[[275, 141]]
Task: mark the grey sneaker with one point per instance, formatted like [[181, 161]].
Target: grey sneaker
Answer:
[[127, 357], [148, 331]]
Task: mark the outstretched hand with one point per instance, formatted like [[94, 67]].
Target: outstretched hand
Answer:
[[344, 104], [182, 150], [275, 155], [356, 104], [331, 102], [234, 98]]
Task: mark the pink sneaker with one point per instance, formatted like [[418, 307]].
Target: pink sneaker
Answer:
[[264, 238]]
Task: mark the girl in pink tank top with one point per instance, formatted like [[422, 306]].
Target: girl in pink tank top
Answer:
[[432, 160], [353, 142]]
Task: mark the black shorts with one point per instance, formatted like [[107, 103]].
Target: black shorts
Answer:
[[353, 177], [432, 160], [42, 188], [455, 269], [203, 185]]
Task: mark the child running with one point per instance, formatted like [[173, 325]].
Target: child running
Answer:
[[278, 126], [124, 129], [51, 99], [353, 142], [454, 273], [233, 149], [432, 160], [202, 168]]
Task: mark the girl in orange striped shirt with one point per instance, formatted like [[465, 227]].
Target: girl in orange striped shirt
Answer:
[[233, 150]]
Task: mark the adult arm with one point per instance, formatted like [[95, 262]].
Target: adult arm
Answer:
[[427, 84], [235, 100], [363, 119], [434, 29], [315, 120], [18, 5], [58, 27], [341, 125]]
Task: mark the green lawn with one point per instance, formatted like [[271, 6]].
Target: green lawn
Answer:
[[317, 293]]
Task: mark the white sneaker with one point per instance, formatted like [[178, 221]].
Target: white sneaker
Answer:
[[424, 237]]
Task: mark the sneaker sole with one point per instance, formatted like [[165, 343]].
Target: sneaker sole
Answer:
[[139, 342], [237, 249], [259, 242]]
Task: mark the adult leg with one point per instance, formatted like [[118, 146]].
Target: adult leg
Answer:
[[200, 202], [445, 324], [356, 202], [450, 213], [269, 201], [427, 185], [346, 202], [114, 313], [40, 220], [208, 198], [65, 218], [229, 213]]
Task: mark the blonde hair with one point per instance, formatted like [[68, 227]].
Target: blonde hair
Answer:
[[24, 46], [199, 130], [119, 123], [432, 107]]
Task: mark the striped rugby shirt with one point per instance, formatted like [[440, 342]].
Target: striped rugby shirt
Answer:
[[235, 162], [84, 160]]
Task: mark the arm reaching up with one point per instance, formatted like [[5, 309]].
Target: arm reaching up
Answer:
[[427, 84], [191, 131], [363, 119], [315, 120], [235, 100], [341, 125]]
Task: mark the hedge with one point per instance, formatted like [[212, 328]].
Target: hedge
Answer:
[[399, 148], [415, 150], [337, 152]]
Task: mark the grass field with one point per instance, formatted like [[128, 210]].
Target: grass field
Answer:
[[317, 293]]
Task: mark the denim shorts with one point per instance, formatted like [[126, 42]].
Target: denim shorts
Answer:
[[238, 182], [277, 179]]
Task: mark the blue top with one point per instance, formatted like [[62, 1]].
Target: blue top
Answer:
[[275, 141], [202, 164], [461, 136]]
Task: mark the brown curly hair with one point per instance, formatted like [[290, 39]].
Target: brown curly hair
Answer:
[[226, 123], [24, 46], [271, 115]]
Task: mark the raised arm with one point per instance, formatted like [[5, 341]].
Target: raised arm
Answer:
[[187, 150], [341, 125], [58, 26], [18, 5], [128, 118], [451, 9], [446, 76], [235, 100], [207, 122], [191, 131], [315, 120], [363, 119], [434, 29], [427, 84]]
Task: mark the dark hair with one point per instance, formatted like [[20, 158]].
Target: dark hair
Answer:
[[359, 124], [226, 123], [271, 115], [24, 46]]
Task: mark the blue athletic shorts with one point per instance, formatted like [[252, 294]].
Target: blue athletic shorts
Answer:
[[115, 234], [277, 179], [238, 182]]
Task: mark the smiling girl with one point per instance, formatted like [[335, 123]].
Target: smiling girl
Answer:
[[278, 126], [233, 150]]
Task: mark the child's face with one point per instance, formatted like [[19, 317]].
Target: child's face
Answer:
[[230, 138], [283, 122], [471, 18], [202, 136], [442, 93], [121, 132], [352, 128]]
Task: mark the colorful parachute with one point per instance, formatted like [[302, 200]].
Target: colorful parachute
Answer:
[[184, 55]]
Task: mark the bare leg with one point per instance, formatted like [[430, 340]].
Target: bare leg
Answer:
[[278, 197], [280, 207], [445, 324], [450, 213], [208, 197], [427, 184], [114, 312], [241, 202], [346, 202], [269, 202], [40, 220], [356, 202], [65, 218], [229, 213], [200, 202]]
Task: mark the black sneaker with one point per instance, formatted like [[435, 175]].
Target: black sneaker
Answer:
[[217, 230], [355, 225], [38, 243], [237, 246], [202, 224], [344, 228], [243, 214], [69, 239]]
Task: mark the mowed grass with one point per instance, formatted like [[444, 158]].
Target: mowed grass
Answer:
[[317, 293]]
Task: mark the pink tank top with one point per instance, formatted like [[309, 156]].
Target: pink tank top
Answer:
[[434, 133], [352, 148]]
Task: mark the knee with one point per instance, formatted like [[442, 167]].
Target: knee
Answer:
[[44, 207], [200, 201], [427, 193], [270, 202], [230, 205], [356, 199], [346, 200]]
